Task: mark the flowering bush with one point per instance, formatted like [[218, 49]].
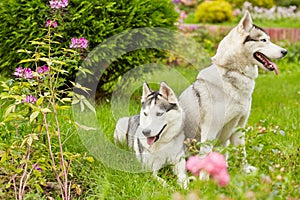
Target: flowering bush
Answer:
[[214, 164]]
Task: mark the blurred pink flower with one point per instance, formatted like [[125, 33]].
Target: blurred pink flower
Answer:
[[29, 99], [42, 69], [194, 165], [57, 4], [51, 23], [27, 73], [19, 72], [79, 43], [23, 73], [214, 164]]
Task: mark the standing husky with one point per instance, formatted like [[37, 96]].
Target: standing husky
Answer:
[[156, 134], [219, 100]]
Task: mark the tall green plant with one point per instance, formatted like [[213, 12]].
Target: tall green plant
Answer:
[[33, 102]]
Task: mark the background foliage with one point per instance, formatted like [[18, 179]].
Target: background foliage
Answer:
[[96, 20]]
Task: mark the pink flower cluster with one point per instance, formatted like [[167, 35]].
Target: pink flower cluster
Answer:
[[27, 73], [29, 99], [57, 4], [214, 164], [51, 23], [79, 43], [23, 73]]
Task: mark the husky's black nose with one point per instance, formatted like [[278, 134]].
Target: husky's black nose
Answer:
[[284, 52], [146, 132]]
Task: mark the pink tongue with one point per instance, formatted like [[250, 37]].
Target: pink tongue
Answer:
[[275, 68], [150, 140]]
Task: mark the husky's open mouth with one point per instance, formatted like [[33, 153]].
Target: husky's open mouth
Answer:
[[152, 140], [269, 65]]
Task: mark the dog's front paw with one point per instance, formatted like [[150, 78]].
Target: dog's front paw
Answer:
[[249, 169]]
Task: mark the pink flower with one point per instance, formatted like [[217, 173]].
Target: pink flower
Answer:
[[194, 165], [183, 15], [23, 73], [19, 72], [83, 43], [214, 164], [79, 43], [57, 4], [45, 68], [27, 73], [39, 70], [42, 69], [51, 23], [29, 99]]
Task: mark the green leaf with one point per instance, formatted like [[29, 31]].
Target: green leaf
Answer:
[[67, 99], [39, 101], [9, 110], [62, 107], [90, 159], [27, 60], [24, 51], [45, 110], [38, 43], [33, 116]]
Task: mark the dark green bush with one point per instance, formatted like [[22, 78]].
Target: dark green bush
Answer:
[[96, 20], [213, 12]]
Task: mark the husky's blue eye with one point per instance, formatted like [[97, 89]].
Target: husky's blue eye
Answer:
[[159, 114], [263, 40]]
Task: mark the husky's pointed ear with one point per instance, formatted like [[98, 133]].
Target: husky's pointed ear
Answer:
[[168, 93], [246, 23], [146, 91]]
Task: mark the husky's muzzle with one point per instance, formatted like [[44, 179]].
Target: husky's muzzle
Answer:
[[267, 63], [152, 139]]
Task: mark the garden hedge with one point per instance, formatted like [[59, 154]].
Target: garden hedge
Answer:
[[96, 20]]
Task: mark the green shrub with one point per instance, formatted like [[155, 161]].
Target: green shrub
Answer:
[[96, 20], [213, 12], [263, 3]]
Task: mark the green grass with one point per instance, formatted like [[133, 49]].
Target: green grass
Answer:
[[274, 151]]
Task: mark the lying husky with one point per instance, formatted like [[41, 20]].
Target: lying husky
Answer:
[[219, 100], [156, 134]]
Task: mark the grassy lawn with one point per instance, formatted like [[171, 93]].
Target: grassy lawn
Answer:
[[273, 143]]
